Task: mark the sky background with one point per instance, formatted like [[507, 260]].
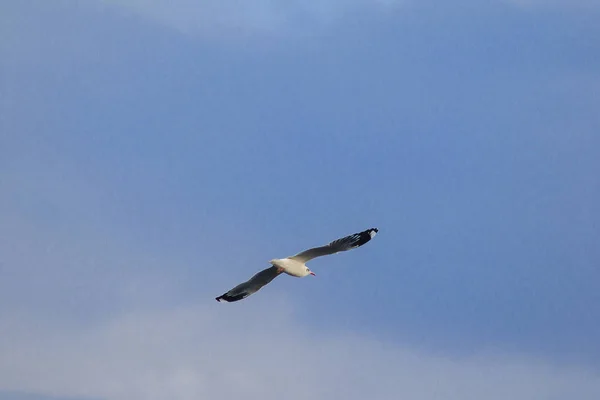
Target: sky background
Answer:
[[153, 154]]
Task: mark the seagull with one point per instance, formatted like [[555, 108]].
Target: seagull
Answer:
[[295, 265]]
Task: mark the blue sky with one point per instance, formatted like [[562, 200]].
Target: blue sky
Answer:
[[154, 154]]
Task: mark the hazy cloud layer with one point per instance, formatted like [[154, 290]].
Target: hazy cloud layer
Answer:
[[208, 351], [571, 4], [255, 16], [214, 17]]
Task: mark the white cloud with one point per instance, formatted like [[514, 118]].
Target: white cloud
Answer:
[[214, 351], [235, 18], [585, 4], [243, 16]]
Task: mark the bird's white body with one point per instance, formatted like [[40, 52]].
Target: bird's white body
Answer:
[[291, 267]]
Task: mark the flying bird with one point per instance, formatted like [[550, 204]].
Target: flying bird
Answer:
[[295, 265]]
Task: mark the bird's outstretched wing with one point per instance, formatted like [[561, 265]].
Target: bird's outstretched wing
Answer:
[[251, 286], [346, 243]]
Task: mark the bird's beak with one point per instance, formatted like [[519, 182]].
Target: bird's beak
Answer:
[[312, 273]]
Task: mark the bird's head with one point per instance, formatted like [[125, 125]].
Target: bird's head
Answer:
[[309, 272]]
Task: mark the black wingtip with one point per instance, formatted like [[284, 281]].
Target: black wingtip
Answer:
[[230, 299], [369, 234], [224, 298]]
